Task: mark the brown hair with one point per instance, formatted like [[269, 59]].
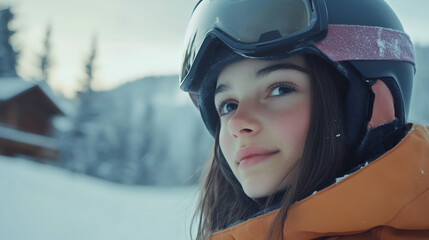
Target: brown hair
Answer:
[[223, 201]]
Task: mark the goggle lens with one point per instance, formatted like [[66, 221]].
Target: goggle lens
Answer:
[[246, 24]]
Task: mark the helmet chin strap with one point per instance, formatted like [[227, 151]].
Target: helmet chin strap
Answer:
[[383, 110], [384, 130]]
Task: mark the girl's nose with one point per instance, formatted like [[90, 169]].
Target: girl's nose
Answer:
[[244, 121]]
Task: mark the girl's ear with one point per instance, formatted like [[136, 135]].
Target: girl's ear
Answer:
[[383, 110]]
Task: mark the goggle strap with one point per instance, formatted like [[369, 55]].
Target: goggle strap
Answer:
[[352, 42]]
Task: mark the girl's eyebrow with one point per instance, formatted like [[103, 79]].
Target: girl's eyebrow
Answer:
[[267, 70], [264, 72], [221, 88]]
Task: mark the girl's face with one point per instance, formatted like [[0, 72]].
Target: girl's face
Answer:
[[264, 109]]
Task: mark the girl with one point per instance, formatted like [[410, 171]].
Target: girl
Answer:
[[307, 101]]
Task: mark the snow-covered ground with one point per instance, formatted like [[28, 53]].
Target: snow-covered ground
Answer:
[[41, 202]]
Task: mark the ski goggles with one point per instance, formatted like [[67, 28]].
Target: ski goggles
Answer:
[[252, 28]]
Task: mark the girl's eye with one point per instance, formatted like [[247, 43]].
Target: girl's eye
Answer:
[[226, 107], [281, 89]]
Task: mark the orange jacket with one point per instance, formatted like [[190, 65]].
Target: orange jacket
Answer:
[[387, 199]]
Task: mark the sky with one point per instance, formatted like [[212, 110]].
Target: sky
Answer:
[[134, 38]]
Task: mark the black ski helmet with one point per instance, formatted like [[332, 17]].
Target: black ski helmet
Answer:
[[363, 39]]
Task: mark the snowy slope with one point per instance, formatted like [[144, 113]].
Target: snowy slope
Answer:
[[42, 202]]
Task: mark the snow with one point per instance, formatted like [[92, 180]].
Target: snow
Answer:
[[14, 86], [10, 87], [341, 178], [65, 105], [380, 43], [42, 202], [28, 138]]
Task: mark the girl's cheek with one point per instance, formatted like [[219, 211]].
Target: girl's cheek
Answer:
[[225, 143], [293, 124]]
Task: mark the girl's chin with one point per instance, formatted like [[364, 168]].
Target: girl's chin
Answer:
[[258, 191], [263, 187]]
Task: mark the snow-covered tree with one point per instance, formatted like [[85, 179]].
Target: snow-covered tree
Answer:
[[8, 55], [140, 133]]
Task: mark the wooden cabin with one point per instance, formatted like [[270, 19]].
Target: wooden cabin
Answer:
[[26, 113]]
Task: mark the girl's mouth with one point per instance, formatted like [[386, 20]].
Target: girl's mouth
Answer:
[[250, 156]]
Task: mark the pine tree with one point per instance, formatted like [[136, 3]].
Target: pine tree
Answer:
[[79, 150], [86, 92], [89, 69], [8, 55], [45, 58]]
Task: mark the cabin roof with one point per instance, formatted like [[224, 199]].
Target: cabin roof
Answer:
[[12, 87], [15, 86]]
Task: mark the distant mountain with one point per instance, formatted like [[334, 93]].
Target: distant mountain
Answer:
[[143, 132]]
